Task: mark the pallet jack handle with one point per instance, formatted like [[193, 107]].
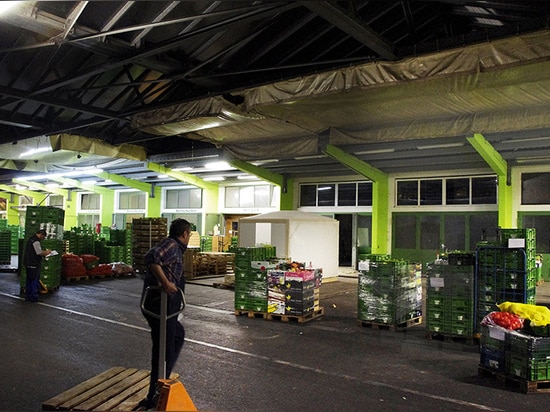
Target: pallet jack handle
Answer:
[[163, 317]]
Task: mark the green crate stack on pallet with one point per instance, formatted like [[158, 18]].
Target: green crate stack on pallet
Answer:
[[50, 273], [51, 219], [388, 292], [505, 274], [115, 247], [5, 247], [450, 300], [16, 234], [80, 240], [251, 266], [515, 354], [206, 244]]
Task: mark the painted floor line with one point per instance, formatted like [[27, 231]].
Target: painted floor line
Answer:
[[280, 362]]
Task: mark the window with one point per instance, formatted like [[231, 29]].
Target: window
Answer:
[[183, 198], [534, 188], [131, 200], [248, 196], [90, 201], [350, 194], [431, 192], [407, 193], [458, 191], [55, 200], [484, 190]]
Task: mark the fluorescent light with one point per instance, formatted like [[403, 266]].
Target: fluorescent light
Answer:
[[35, 151], [221, 165], [439, 146], [182, 169], [162, 176], [214, 179], [247, 177], [52, 185], [375, 151]]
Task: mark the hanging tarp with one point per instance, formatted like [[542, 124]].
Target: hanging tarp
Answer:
[[496, 86], [81, 144]]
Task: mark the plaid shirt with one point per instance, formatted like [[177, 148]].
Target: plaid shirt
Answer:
[[168, 254]]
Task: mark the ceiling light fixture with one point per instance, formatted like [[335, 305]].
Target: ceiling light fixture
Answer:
[[7, 5], [214, 179], [439, 146]]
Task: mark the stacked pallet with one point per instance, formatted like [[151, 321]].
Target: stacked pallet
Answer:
[[146, 232], [388, 293]]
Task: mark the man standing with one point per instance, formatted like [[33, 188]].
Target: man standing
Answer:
[[165, 269], [33, 262]]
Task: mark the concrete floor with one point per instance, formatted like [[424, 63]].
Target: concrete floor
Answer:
[[236, 363]]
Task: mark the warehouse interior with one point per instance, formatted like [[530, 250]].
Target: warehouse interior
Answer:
[[111, 97]]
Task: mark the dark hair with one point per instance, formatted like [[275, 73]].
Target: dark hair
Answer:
[[178, 227], [41, 232]]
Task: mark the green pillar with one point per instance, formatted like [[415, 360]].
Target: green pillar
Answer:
[[380, 200], [154, 202], [500, 166]]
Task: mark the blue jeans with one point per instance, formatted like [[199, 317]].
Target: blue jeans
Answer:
[[32, 284]]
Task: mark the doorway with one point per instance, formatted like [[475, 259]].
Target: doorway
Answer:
[[345, 244]]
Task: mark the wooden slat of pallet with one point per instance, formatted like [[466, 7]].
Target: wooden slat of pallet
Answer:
[[55, 402], [116, 389], [116, 393], [299, 318], [100, 386]]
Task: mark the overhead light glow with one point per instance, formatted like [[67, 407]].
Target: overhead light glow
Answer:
[[35, 151], [214, 179], [221, 165], [182, 169], [7, 5]]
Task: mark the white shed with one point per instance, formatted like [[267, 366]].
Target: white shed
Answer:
[[300, 236]]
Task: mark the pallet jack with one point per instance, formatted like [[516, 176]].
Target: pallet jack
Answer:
[[172, 394]]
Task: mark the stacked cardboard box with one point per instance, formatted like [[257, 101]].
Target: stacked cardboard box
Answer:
[[293, 292]]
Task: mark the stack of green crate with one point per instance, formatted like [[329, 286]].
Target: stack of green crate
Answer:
[[16, 234], [505, 274], [527, 357], [5, 247], [80, 240], [206, 244], [450, 300], [515, 354], [51, 219], [388, 292], [251, 266], [50, 273], [115, 247]]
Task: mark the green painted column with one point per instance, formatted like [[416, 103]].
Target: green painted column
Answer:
[[107, 204], [380, 200], [500, 166], [154, 203]]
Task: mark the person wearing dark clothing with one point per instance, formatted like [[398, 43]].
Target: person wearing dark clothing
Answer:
[[33, 262], [165, 269]]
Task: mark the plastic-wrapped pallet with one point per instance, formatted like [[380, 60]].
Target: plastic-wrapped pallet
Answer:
[[388, 292]]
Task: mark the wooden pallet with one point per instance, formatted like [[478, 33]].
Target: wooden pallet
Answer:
[[298, 318], [390, 326], [117, 389], [250, 313], [515, 382]]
